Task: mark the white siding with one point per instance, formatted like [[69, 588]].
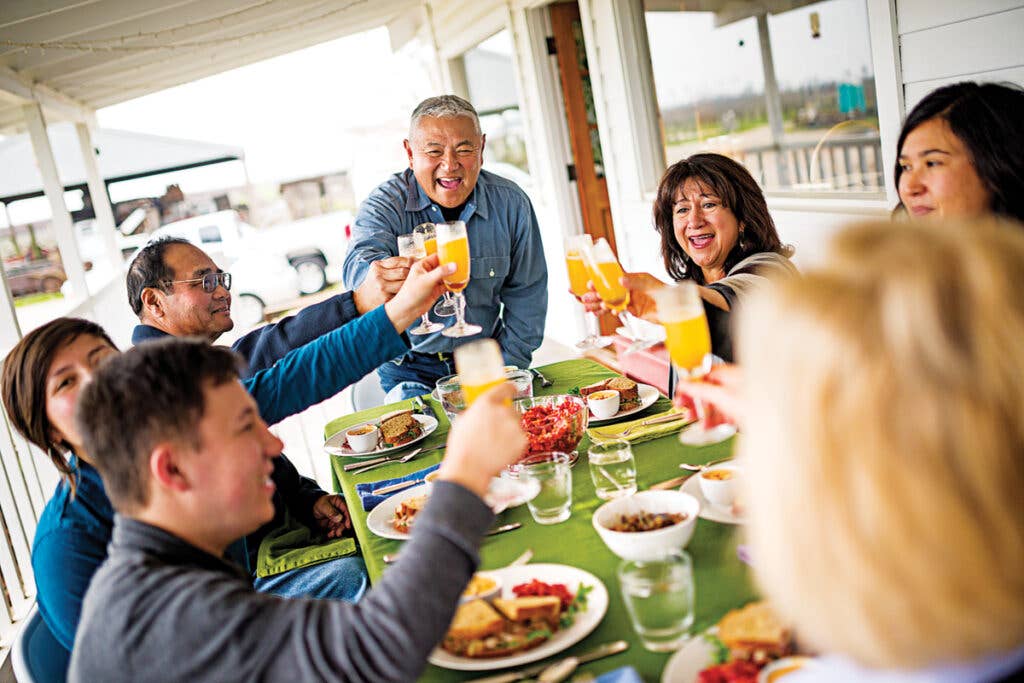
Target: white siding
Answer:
[[947, 41]]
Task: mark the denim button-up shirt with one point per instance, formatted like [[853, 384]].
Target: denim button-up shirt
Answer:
[[507, 293]]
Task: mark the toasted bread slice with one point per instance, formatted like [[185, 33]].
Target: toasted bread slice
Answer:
[[545, 608], [754, 632], [591, 388], [474, 620], [629, 393], [400, 429]]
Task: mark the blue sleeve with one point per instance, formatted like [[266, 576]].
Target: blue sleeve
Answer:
[[320, 369], [265, 346], [374, 235], [525, 291], [64, 564]]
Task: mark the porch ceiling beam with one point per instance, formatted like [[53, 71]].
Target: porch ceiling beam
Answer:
[[18, 11], [74, 65], [168, 75], [18, 86]]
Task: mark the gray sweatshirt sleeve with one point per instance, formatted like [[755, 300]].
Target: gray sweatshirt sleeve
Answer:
[[172, 623]]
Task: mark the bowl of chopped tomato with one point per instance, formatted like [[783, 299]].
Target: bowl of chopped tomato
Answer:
[[553, 423]]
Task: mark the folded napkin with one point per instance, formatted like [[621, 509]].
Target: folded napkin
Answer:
[[626, 674], [371, 501], [638, 431], [293, 545]]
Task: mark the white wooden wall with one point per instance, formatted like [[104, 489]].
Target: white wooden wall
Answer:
[[945, 41]]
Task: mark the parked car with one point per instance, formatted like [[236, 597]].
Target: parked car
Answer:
[[314, 247], [33, 277], [261, 279]]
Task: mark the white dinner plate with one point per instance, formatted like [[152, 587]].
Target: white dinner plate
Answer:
[[708, 510], [689, 660], [587, 621], [501, 494], [648, 395], [337, 445]]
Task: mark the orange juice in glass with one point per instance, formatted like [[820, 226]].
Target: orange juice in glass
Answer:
[[453, 247], [688, 339], [605, 272], [480, 367], [579, 276]]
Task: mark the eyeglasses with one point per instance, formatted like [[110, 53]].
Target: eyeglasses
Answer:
[[210, 281]]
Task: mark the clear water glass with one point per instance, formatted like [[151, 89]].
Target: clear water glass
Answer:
[[551, 471], [659, 599], [613, 469]]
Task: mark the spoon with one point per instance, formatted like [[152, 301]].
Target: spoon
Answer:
[[700, 468]]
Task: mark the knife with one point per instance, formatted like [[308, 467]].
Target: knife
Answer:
[[503, 528], [605, 650], [392, 488], [544, 381]]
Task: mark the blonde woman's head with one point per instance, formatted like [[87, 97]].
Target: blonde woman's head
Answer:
[[886, 442]]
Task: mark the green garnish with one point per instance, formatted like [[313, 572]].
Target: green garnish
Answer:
[[538, 633], [721, 654], [578, 604], [575, 391]]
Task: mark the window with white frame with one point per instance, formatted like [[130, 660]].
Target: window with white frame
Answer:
[[491, 82], [789, 94]]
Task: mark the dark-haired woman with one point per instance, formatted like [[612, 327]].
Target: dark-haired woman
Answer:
[[715, 231], [959, 153]]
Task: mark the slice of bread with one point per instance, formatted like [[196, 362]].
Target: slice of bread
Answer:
[[475, 619], [754, 632], [591, 388], [545, 608], [629, 393], [400, 429]]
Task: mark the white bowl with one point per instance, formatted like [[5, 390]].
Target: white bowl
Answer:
[[643, 546], [720, 492], [604, 404], [361, 443], [482, 594]]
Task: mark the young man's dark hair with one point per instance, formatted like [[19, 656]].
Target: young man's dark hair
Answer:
[[148, 269], [130, 406]]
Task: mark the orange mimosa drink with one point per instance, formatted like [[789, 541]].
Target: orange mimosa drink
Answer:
[[480, 367], [456, 251], [430, 245], [578, 275], [688, 340], [611, 291]]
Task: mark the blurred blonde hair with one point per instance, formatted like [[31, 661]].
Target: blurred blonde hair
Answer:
[[886, 443]]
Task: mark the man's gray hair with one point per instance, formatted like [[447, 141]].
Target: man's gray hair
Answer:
[[443, 107]]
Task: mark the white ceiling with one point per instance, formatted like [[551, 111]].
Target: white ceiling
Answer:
[[76, 56]]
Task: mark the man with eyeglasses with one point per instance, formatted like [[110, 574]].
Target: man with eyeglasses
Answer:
[[177, 290]]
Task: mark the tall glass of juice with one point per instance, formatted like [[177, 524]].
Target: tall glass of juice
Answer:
[[453, 247], [480, 367]]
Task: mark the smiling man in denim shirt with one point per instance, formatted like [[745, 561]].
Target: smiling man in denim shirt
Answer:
[[507, 291]]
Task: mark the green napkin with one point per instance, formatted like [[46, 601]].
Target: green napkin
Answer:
[[293, 545], [639, 432]]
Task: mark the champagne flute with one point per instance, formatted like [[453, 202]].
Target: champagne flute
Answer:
[[688, 340], [453, 247], [446, 308], [411, 246], [480, 367], [578, 277], [606, 273]]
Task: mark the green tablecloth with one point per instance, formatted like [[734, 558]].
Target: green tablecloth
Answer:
[[722, 581]]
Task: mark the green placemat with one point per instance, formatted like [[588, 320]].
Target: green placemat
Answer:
[[293, 545]]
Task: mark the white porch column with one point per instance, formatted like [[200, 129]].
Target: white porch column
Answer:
[[10, 330], [61, 220], [773, 100], [105, 223]]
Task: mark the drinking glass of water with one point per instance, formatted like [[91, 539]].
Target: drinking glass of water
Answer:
[[613, 469], [659, 598], [551, 470]]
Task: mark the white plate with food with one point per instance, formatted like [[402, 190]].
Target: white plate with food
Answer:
[[393, 431], [523, 626], [746, 635], [646, 395], [393, 517], [708, 510]]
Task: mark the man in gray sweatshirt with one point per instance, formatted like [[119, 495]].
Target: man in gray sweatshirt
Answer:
[[186, 461]]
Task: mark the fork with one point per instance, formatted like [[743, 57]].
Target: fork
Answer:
[[653, 421], [405, 458]]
